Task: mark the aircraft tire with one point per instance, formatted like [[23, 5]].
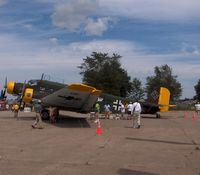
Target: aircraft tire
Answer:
[[45, 115], [157, 115]]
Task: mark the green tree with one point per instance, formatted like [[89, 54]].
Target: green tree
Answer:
[[137, 91], [105, 72], [163, 78], [197, 89]]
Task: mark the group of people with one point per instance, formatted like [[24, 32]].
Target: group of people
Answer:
[[53, 113], [133, 112]]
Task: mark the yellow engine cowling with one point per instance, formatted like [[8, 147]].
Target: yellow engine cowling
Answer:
[[28, 95], [10, 87]]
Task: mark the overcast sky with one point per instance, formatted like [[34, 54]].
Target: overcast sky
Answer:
[[53, 37]]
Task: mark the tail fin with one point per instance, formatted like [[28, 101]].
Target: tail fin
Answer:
[[163, 100]]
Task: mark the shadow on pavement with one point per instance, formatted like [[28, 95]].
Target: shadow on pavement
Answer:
[[152, 117], [124, 171], [70, 122], [19, 118], [159, 141]]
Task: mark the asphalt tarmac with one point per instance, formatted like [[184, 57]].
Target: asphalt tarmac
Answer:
[[166, 146]]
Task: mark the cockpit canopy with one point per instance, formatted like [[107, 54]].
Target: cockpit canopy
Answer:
[[33, 82]]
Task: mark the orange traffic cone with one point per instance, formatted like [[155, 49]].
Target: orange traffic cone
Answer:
[[194, 117], [99, 129]]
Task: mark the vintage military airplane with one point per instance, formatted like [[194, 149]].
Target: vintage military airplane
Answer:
[[77, 97], [74, 97]]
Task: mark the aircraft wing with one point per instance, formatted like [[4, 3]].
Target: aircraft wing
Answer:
[[74, 97]]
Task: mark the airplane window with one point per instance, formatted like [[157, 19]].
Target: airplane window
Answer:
[[33, 82]]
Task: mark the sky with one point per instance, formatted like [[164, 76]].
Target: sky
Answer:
[[54, 36]]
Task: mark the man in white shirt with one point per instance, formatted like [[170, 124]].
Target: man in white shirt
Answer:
[[197, 108], [136, 114], [122, 110], [130, 110]]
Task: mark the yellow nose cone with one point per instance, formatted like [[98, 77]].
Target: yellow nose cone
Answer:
[[10, 87]]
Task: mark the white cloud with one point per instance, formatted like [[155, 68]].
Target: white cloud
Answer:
[[28, 58], [79, 16], [95, 16], [153, 10], [73, 14], [97, 27], [2, 2], [53, 40], [28, 27], [190, 50]]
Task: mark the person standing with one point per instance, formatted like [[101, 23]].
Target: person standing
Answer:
[[122, 108], [130, 110], [97, 111], [52, 115], [16, 110], [197, 108], [136, 114], [107, 111], [38, 120]]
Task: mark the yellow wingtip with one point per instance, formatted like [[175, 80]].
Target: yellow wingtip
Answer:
[[84, 88]]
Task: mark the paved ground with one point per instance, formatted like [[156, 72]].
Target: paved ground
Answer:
[[166, 146]]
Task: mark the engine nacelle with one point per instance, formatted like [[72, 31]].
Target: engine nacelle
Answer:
[[10, 87], [28, 95]]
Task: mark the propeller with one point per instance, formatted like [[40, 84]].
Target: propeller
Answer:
[[3, 91], [21, 103]]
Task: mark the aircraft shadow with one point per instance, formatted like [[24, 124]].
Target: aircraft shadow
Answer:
[[70, 122], [123, 171], [151, 116], [25, 118], [159, 141], [19, 118]]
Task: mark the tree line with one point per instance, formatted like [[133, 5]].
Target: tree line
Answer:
[[106, 73]]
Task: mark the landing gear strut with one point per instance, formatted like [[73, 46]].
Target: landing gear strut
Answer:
[[157, 115]]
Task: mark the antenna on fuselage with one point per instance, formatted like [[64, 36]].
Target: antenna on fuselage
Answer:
[[42, 76]]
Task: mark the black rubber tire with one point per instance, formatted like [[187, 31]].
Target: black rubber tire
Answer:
[[45, 115]]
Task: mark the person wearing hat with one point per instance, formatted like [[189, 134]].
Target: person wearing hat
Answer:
[[38, 120]]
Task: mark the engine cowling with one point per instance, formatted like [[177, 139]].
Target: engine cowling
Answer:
[[28, 95], [10, 87]]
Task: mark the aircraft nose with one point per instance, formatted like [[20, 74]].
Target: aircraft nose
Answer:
[[10, 87]]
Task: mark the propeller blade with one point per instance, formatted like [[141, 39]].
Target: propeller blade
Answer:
[[1, 97], [3, 91], [5, 85], [22, 95]]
